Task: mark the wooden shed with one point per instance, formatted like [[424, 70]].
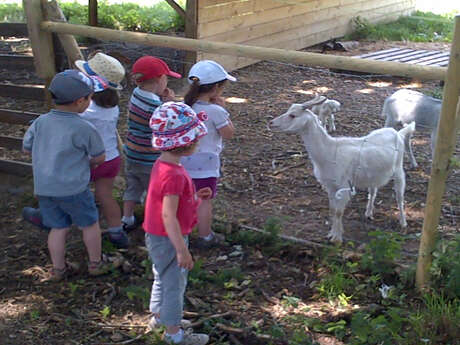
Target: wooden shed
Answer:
[[286, 24]]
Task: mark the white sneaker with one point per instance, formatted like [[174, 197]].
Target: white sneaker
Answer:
[[155, 323], [190, 339]]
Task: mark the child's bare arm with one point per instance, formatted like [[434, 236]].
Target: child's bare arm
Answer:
[[172, 226], [95, 161], [228, 131]]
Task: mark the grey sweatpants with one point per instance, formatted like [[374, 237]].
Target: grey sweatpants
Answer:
[[167, 297]]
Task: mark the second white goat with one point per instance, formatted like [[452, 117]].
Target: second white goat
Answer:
[[345, 163], [405, 106]]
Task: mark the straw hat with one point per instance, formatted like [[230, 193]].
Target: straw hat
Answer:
[[105, 66]]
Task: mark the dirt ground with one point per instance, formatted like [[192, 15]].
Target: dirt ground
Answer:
[[264, 176]]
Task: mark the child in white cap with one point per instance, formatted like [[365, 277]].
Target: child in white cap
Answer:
[[208, 79], [63, 146], [170, 215]]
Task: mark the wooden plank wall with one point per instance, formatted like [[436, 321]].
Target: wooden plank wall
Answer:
[[286, 24]]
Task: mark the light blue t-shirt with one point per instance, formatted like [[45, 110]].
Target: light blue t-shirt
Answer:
[[62, 144]]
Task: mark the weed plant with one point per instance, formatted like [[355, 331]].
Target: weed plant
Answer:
[[419, 27]]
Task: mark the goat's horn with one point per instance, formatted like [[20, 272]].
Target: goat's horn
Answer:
[[318, 99]]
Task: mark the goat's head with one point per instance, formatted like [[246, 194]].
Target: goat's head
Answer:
[[294, 120]]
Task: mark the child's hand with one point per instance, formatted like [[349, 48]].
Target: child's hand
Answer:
[[204, 193], [168, 95], [218, 100], [184, 259]]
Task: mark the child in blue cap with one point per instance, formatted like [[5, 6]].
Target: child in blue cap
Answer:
[[63, 147]]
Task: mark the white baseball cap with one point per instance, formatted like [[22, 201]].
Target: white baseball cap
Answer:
[[208, 72]]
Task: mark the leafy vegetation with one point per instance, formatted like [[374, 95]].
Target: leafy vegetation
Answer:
[[419, 27], [123, 16]]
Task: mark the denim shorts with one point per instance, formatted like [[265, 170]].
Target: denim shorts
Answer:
[[63, 211]]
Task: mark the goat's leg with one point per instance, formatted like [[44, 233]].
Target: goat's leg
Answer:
[[408, 148], [433, 142], [332, 121], [370, 203], [399, 187], [336, 208]]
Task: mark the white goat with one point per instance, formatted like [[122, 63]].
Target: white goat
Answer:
[[343, 164], [405, 106], [325, 109]]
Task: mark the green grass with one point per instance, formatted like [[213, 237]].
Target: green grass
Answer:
[[126, 16], [419, 27]]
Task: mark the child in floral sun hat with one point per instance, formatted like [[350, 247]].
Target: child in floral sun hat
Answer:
[[170, 214]]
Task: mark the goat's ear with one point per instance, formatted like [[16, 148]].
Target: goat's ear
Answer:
[[318, 99]]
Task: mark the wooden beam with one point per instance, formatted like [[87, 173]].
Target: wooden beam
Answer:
[[191, 27], [13, 29], [68, 42], [35, 92], [16, 117], [11, 143], [180, 11], [92, 12], [15, 168], [42, 45], [16, 61], [444, 148], [270, 54]]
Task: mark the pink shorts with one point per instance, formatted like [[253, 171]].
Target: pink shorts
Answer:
[[210, 182], [108, 169]]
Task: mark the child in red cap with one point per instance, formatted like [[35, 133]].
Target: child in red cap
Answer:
[[151, 77], [170, 215]]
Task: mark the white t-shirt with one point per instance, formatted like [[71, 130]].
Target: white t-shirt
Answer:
[[105, 120], [205, 162]]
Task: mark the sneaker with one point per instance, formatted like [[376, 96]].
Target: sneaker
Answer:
[[128, 228], [190, 338], [215, 240], [155, 323], [119, 239], [33, 216], [104, 266], [71, 268]]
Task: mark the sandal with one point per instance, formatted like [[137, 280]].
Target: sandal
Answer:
[[58, 274]]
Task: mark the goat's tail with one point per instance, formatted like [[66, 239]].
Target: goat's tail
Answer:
[[407, 130]]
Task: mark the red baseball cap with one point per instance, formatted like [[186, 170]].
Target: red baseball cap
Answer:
[[152, 67]]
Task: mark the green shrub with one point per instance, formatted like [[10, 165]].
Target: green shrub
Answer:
[[419, 27], [445, 268], [381, 252], [124, 16]]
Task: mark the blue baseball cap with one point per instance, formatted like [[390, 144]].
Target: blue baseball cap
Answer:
[[70, 85]]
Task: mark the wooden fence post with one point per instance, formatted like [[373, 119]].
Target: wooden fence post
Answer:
[[42, 43], [92, 12], [444, 149], [191, 27], [68, 42]]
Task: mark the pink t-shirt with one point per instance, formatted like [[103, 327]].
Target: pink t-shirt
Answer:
[[170, 179]]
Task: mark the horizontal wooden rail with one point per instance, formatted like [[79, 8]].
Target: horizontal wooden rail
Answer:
[[270, 54], [13, 29], [35, 92], [16, 117], [16, 61], [11, 143], [15, 168]]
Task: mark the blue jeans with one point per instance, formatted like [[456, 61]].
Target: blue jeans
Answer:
[[167, 297], [63, 211]]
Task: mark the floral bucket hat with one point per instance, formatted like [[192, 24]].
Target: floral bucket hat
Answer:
[[175, 124]]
